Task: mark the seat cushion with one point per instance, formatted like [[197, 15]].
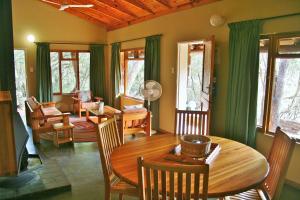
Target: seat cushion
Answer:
[[50, 111], [90, 105]]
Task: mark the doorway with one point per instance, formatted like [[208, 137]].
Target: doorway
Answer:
[[195, 74], [21, 79]]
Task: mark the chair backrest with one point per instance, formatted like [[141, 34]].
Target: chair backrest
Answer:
[[279, 158], [108, 140], [191, 122], [84, 96], [174, 181], [128, 101]]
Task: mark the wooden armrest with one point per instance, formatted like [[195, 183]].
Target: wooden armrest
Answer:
[[98, 98], [48, 104], [75, 99]]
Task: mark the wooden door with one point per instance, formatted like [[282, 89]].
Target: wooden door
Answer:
[[208, 74]]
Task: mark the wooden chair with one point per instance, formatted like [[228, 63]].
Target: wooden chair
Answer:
[[191, 122], [157, 181], [108, 140], [83, 100], [279, 158]]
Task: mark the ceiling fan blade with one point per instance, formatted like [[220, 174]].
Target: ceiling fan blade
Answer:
[[81, 6], [63, 7], [46, 1]]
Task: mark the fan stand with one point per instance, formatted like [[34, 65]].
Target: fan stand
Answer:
[[148, 107]]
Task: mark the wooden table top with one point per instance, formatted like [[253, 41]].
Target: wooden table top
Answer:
[[236, 168], [108, 110]]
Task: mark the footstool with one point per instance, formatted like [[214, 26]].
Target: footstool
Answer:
[[63, 133]]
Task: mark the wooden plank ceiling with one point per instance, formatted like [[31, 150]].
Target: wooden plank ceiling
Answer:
[[114, 14]]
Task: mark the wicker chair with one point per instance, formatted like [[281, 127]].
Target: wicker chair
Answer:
[[108, 140]]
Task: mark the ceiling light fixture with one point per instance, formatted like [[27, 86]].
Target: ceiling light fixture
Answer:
[[30, 38], [217, 20]]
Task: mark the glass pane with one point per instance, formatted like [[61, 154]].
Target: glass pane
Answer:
[[20, 74], [285, 108], [289, 45], [141, 53], [262, 78], [130, 54], [194, 81], [54, 61], [135, 78], [68, 73], [122, 65], [68, 55], [84, 71]]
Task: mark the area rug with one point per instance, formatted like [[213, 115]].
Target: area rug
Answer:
[[83, 131]]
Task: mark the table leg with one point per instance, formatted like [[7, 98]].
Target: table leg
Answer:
[[87, 114]]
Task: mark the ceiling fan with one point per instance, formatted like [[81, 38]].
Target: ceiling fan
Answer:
[[64, 6]]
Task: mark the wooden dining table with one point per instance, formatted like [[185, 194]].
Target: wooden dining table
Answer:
[[236, 168]]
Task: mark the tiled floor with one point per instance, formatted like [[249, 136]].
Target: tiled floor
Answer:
[[81, 164]]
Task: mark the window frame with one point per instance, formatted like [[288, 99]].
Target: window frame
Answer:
[[124, 64], [273, 54], [60, 58]]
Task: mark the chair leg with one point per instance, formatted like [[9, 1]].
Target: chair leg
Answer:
[[107, 194], [120, 196]]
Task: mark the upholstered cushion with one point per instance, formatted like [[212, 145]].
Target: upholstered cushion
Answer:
[[50, 111], [90, 105], [134, 110], [85, 96]]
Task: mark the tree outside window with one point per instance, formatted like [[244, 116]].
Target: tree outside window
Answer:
[[70, 71], [279, 96]]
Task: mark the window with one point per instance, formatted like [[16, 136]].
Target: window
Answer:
[[70, 71], [20, 76], [278, 102], [132, 72]]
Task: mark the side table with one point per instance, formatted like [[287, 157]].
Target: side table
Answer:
[[63, 133]]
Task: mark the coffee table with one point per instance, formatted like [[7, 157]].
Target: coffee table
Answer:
[[97, 116]]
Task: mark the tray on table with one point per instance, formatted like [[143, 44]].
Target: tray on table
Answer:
[[175, 155]]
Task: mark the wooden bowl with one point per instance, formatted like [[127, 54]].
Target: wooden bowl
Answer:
[[195, 145]]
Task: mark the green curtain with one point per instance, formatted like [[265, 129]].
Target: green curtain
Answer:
[[97, 71], [115, 73], [43, 73], [152, 72], [7, 68], [243, 81]]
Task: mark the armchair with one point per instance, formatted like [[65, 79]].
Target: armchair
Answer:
[[83, 100], [134, 118], [41, 116]]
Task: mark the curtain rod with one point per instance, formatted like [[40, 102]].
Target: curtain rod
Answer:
[[129, 40], [72, 43], [270, 18]]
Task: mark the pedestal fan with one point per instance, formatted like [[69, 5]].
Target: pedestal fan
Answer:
[[151, 91]]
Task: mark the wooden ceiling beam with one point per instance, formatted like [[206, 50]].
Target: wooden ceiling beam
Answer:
[[115, 5], [89, 18], [174, 9], [141, 5], [165, 3], [98, 11]]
